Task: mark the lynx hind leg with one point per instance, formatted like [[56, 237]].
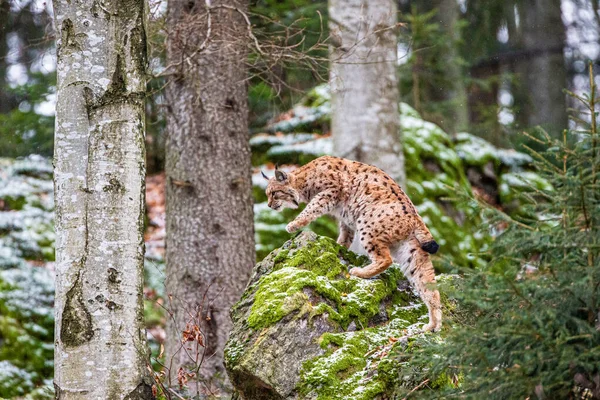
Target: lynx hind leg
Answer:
[[416, 266], [346, 235], [381, 259]]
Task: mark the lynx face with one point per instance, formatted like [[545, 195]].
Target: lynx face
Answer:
[[280, 192]]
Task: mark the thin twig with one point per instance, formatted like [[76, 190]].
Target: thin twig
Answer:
[[416, 388]]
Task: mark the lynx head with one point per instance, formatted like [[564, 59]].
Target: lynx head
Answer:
[[281, 192]]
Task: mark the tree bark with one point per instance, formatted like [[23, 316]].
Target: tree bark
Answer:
[[364, 83], [7, 100], [483, 102], [455, 93], [541, 67], [210, 230], [99, 173]]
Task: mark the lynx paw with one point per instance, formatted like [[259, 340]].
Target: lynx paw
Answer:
[[432, 327], [356, 272], [291, 227]]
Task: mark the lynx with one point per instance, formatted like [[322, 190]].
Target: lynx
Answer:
[[368, 203]]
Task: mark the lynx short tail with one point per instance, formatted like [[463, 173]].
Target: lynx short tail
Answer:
[[425, 238], [431, 247]]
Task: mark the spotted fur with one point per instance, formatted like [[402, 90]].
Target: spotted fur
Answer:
[[368, 203]]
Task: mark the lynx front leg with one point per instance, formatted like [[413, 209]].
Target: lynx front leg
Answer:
[[380, 257], [346, 235], [321, 204]]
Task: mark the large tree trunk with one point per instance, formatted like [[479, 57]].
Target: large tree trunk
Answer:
[[455, 93], [210, 231], [541, 66], [99, 184], [364, 83]]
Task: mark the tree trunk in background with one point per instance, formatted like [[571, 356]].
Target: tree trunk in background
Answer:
[[7, 100], [483, 101], [210, 230], [455, 94], [364, 83], [541, 68], [99, 190]]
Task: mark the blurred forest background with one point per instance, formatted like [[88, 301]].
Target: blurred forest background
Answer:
[[473, 75], [492, 68]]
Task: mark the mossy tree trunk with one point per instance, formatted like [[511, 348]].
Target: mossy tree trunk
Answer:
[[99, 173], [210, 232], [364, 83]]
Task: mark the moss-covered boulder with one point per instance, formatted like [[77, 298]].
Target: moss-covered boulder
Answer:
[[305, 328]]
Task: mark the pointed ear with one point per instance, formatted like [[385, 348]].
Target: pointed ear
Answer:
[[280, 176], [264, 176]]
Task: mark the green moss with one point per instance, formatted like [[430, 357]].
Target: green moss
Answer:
[[356, 365], [14, 202], [269, 228], [344, 358], [278, 295], [321, 266], [371, 363], [409, 313], [233, 351]]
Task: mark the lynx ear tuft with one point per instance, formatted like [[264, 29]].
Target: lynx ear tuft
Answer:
[[264, 176], [280, 176]]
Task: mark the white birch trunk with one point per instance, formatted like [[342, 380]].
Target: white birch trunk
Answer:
[[99, 186], [364, 83]]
